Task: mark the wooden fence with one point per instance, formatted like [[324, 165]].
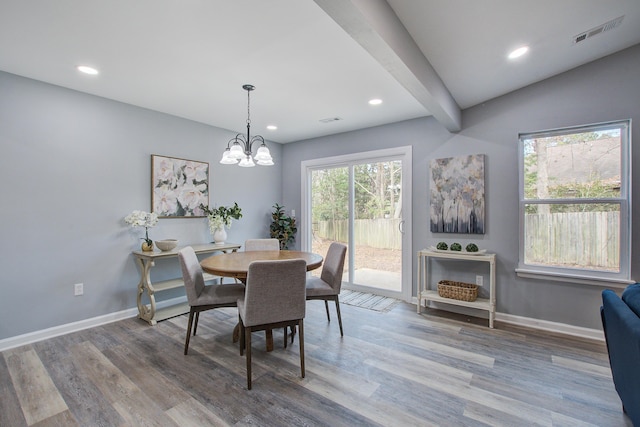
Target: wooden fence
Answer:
[[376, 233], [587, 239]]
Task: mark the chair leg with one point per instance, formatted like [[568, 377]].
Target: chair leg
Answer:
[[285, 336], [293, 332], [195, 326], [247, 334], [339, 317], [301, 341], [186, 341], [242, 338], [326, 306]]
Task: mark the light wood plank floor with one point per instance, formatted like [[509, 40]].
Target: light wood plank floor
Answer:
[[392, 369]]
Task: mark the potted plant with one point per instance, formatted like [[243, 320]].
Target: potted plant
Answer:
[[282, 227], [219, 218]]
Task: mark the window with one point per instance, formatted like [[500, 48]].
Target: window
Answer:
[[575, 203]]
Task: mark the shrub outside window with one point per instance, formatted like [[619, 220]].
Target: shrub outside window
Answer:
[[575, 202]]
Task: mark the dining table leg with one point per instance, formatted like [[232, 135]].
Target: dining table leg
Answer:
[[268, 336], [236, 333]]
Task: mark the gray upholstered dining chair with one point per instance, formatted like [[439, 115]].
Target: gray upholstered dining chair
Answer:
[[262, 245], [327, 286], [203, 297], [274, 298]]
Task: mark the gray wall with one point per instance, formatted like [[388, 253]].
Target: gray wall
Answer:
[[73, 165], [608, 89]]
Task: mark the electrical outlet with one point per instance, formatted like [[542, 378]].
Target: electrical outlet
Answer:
[[78, 289], [479, 280]]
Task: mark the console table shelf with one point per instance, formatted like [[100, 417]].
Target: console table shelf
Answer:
[[427, 294], [146, 260]]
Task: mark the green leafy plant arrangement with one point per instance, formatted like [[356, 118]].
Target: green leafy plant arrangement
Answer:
[[472, 247], [222, 215], [442, 246], [282, 227], [456, 247]]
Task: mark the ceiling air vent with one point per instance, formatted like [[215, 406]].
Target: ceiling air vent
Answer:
[[598, 30], [330, 119]]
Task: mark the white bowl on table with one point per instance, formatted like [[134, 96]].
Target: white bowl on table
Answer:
[[166, 244]]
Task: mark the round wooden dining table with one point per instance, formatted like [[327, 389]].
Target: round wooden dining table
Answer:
[[236, 264]]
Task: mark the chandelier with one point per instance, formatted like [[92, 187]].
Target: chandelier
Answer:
[[239, 147]]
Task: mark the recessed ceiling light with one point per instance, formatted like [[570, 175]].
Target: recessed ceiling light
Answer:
[[272, 127], [87, 70], [375, 101], [518, 52]]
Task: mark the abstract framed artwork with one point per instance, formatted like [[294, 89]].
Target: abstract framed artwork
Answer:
[[457, 195], [178, 187]]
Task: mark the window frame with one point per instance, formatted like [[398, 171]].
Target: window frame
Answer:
[[577, 275]]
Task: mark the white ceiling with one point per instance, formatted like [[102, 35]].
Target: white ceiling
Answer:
[[309, 60]]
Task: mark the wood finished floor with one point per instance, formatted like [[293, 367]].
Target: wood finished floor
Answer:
[[393, 369]]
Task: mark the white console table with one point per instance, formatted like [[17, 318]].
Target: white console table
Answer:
[[427, 294], [146, 260]]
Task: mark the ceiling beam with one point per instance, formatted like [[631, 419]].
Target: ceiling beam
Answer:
[[376, 27]]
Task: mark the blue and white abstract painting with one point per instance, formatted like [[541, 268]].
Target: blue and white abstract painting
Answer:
[[457, 195]]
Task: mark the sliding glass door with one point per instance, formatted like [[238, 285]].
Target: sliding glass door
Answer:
[[358, 200]]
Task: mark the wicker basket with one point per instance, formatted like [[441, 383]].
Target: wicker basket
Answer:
[[457, 290]]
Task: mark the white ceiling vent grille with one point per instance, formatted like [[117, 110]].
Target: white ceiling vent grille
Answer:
[[598, 30], [330, 119]]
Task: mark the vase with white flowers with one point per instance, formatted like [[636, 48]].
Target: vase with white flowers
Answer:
[[219, 218], [146, 220]]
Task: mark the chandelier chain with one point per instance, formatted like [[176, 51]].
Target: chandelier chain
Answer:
[[248, 108]]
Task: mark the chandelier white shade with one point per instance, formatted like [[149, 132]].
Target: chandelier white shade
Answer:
[[239, 148]]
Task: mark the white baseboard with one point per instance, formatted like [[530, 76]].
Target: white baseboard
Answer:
[[545, 325], [55, 331]]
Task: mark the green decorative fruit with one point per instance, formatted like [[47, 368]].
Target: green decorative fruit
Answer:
[[442, 246], [472, 247], [456, 247]]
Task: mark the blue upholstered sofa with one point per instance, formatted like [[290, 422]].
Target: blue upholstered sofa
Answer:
[[621, 324]]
